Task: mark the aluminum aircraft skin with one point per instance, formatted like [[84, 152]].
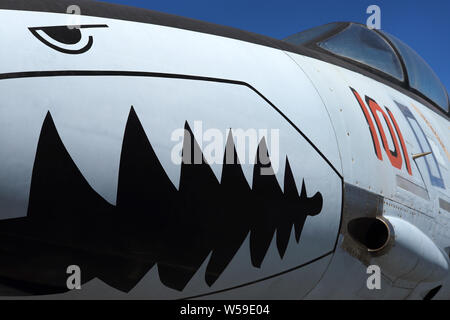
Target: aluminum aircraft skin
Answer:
[[339, 179]]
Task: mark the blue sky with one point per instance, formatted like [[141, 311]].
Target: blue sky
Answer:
[[424, 25]]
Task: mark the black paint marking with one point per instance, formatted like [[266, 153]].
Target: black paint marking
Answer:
[[65, 35], [432, 293], [153, 222], [260, 280]]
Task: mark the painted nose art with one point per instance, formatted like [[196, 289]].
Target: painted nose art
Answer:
[[66, 39]]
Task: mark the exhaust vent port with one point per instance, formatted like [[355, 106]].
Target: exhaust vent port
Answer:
[[372, 233]]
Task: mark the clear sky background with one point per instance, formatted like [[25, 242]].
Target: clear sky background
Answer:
[[422, 24]]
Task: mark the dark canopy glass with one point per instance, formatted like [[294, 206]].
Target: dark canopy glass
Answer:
[[421, 77], [379, 51]]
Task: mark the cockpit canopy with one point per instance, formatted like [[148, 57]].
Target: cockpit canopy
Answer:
[[378, 51]]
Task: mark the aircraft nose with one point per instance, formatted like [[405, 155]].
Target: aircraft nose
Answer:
[[165, 213]]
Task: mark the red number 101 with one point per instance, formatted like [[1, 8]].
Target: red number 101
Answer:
[[394, 156]]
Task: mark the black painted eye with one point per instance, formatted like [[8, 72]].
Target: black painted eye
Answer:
[[64, 39], [63, 34]]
